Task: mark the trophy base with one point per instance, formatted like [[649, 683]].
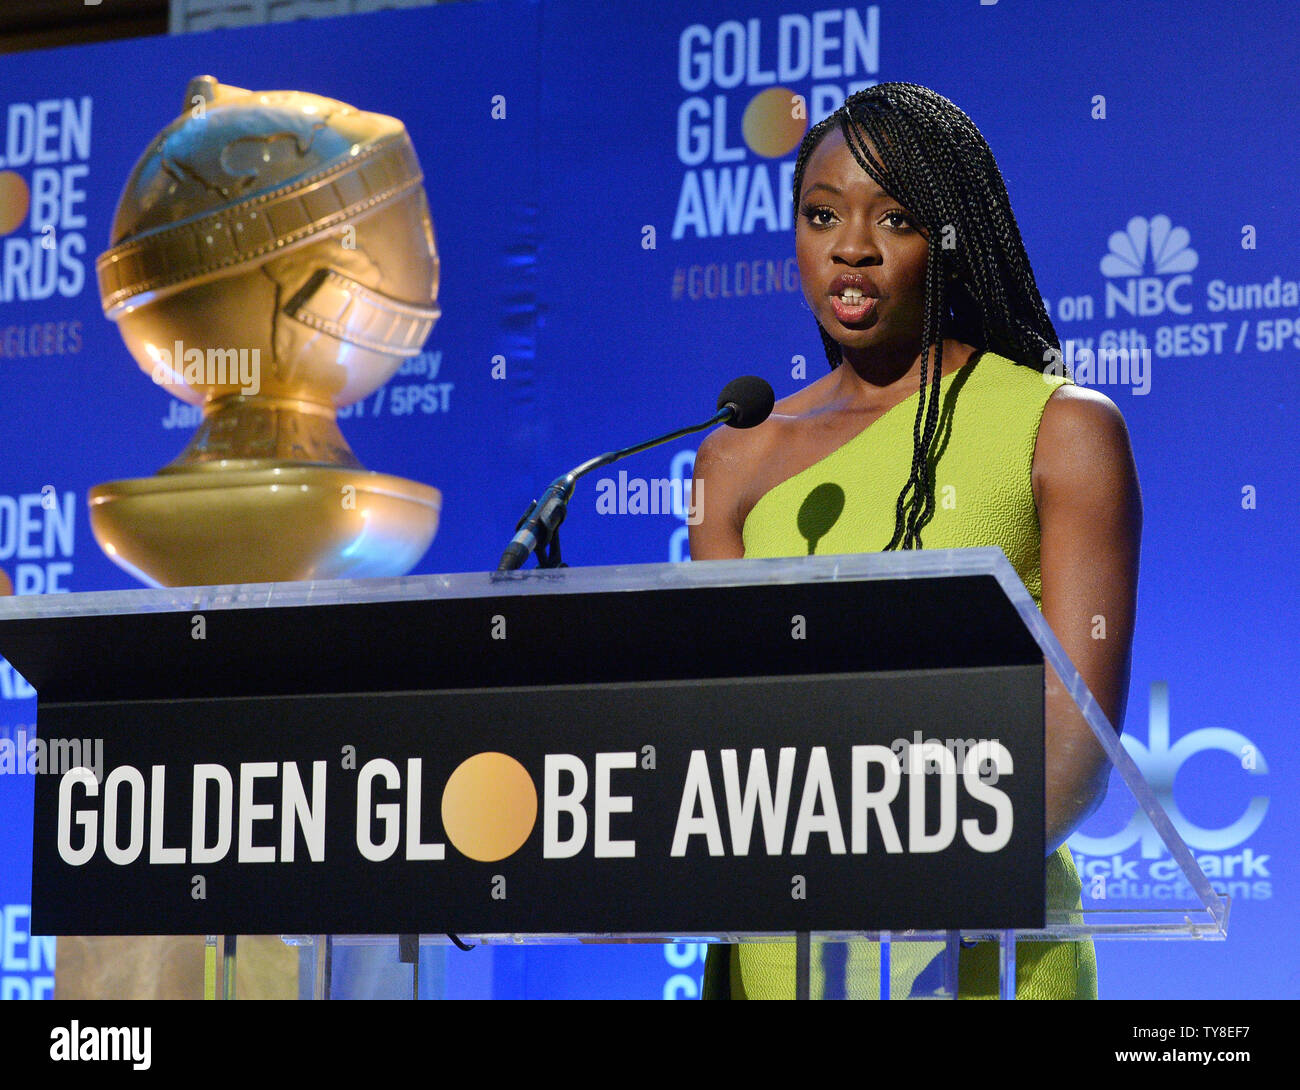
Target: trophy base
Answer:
[[269, 524]]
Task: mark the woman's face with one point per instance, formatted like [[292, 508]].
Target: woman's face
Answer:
[[861, 258]]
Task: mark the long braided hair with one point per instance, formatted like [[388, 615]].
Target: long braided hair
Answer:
[[979, 287]]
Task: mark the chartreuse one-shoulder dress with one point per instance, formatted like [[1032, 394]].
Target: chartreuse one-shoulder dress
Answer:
[[983, 453]]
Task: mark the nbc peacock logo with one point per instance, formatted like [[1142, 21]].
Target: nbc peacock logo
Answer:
[[1148, 264]]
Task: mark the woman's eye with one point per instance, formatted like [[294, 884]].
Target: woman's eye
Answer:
[[819, 217], [898, 220]]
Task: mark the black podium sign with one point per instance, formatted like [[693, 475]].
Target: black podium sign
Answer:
[[855, 755]]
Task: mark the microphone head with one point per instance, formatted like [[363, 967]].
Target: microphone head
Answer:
[[751, 399]]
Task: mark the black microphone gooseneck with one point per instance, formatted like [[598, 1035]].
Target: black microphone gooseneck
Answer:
[[744, 403]]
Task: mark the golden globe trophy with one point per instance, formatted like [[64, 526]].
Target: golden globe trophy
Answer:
[[272, 259]]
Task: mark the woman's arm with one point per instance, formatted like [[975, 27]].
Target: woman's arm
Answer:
[[720, 473], [1090, 515]]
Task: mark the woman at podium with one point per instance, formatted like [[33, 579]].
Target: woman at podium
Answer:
[[947, 420]]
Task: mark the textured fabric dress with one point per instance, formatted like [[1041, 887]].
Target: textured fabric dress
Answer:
[[983, 452]]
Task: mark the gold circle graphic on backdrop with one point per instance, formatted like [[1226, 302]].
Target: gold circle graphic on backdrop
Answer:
[[770, 125], [15, 199], [489, 807]]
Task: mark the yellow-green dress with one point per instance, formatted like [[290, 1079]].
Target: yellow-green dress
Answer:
[[983, 455]]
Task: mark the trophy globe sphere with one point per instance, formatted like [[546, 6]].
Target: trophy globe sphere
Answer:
[[272, 259]]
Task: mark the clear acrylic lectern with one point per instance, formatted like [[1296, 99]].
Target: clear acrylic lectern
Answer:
[[843, 755]]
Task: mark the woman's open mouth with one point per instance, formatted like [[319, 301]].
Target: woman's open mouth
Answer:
[[852, 305]]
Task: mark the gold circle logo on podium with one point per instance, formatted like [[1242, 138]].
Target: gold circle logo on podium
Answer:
[[770, 126], [489, 807], [15, 199]]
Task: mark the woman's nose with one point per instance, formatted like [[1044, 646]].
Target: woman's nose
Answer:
[[855, 244]]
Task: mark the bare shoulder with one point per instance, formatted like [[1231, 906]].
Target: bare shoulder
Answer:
[[744, 450], [1083, 447], [1082, 414], [726, 449], [730, 459], [733, 468], [1080, 424], [724, 462]]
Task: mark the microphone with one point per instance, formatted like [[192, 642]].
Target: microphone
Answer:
[[539, 524], [744, 403], [750, 398]]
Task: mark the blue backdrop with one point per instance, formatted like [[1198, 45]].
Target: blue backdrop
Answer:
[[621, 239]]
